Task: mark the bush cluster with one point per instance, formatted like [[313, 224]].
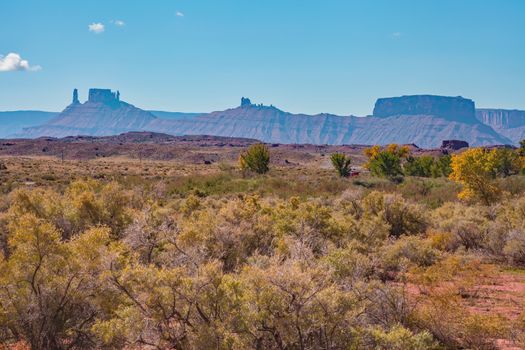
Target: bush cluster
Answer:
[[101, 266]]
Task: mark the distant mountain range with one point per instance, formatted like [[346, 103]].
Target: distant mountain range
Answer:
[[424, 120]]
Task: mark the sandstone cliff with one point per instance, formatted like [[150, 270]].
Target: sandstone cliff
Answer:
[[456, 109], [507, 122]]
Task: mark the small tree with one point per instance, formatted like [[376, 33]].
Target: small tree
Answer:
[[341, 164], [476, 170], [256, 158], [509, 162], [386, 162]]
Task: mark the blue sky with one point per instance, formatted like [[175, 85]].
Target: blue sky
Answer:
[[309, 56]]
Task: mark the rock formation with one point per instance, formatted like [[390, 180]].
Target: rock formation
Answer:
[[245, 102], [501, 118], [105, 96], [453, 145], [507, 122], [457, 109], [103, 114], [75, 97]]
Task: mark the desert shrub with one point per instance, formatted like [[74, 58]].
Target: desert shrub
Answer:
[[467, 225], [444, 241], [404, 253], [256, 158], [400, 216], [341, 163], [313, 224], [514, 185], [150, 235], [400, 338], [49, 287], [514, 249], [389, 304], [91, 203], [350, 264], [431, 192]]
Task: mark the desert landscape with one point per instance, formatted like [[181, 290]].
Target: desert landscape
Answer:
[[262, 175], [171, 242]]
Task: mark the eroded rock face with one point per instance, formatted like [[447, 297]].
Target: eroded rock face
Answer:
[[453, 145], [450, 108], [501, 118], [105, 96], [75, 97], [245, 102], [102, 114]]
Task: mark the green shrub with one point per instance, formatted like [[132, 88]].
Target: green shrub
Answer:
[[341, 164], [442, 166], [508, 162], [386, 164], [419, 166], [256, 158]]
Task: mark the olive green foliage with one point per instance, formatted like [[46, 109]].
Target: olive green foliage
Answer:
[[341, 163], [427, 166], [419, 166], [256, 158], [508, 162], [442, 166]]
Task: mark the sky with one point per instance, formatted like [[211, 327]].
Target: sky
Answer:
[[308, 56]]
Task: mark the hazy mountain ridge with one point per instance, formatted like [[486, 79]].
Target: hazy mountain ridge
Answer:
[[270, 124], [402, 119], [12, 122]]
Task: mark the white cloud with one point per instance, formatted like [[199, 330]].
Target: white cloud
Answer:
[[13, 62], [396, 34], [120, 23], [96, 28], [179, 14]]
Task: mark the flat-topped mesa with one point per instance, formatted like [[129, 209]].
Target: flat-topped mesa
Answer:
[[245, 102], [105, 96], [451, 108]]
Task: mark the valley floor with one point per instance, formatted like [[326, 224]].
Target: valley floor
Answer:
[[176, 248]]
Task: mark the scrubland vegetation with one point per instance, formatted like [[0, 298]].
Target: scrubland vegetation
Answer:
[[266, 257]]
